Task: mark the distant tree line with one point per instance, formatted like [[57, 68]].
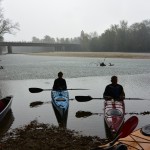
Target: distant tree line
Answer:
[[118, 38], [48, 39], [121, 38]]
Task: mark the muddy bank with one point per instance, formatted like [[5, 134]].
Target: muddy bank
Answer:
[[37, 136], [97, 54]]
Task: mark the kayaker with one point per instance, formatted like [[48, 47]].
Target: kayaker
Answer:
[[60, 82], [114, 90]]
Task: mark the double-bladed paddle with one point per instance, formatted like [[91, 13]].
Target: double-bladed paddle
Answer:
[[89, 98], [127, 128], [37, 90]]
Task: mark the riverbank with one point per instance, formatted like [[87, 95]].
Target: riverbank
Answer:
[[37, 136], [96, 54]]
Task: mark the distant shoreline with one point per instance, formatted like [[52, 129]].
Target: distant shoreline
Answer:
[[95, 54]]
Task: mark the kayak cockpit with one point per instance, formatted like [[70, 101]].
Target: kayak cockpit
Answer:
[[114, 112]]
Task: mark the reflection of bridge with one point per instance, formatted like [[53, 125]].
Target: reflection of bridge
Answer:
[[55, 46]]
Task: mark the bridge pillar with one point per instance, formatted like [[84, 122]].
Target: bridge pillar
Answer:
[[1, 49], [9, 49]]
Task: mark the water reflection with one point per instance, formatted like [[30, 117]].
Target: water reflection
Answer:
[[108, 132], [85, 114], [62, 120], [6, 123], [22, 72]]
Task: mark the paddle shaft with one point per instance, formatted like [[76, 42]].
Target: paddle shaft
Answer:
[[37, 90], [89, 98], [125, 98]]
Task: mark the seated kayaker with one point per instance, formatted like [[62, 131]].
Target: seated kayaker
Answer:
[[114, 90], [60, 83]]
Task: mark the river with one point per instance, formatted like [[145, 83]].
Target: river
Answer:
[[20, 72]]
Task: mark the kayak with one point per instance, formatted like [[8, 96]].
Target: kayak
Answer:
[[137, 140], [60, 101], [114, 112], [5, 106], [6, 123]]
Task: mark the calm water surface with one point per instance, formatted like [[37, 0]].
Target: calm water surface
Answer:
[[24, 71]]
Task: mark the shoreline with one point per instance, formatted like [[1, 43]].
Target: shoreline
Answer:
[[95, 54], [44, 136]]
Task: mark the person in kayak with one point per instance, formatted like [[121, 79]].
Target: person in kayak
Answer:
[[114, 90], [60, 83]]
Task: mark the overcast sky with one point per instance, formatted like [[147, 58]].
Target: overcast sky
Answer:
[[67, 18]]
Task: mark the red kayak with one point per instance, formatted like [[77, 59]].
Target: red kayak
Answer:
[[114, 112]]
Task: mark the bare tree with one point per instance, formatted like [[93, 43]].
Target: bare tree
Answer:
[[6, 25]]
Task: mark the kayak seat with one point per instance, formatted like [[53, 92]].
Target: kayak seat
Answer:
[[146, 130], [114, 112], [60, 99], [121, 147]]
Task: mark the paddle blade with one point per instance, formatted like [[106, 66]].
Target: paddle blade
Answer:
[[35, 90], [128, 126], [83, 98], [126, 129], [35, 104]]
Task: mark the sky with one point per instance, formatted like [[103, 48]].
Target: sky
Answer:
[[67, 18]]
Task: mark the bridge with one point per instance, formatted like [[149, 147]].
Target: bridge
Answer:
[[55, 46]]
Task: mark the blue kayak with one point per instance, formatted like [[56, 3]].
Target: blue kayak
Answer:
[[60, 100]]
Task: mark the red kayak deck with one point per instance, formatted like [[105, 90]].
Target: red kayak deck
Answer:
[[114, 112]]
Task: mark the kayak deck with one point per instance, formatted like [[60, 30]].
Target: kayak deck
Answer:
[[114, 112], [137, 140], [60, 100]]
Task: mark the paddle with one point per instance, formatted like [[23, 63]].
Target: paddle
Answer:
[[89, 98], [37, 90], [127, 128]]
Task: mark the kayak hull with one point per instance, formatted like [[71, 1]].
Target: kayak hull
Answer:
[[7, 101]]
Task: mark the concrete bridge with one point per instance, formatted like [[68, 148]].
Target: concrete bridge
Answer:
[[55, 46]]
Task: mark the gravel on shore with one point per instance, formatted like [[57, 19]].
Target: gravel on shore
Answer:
[[37, 136]]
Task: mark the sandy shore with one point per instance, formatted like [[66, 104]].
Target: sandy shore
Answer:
[[96, 54]]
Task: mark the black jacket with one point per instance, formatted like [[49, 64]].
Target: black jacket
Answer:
[[60, 84], [114, 91]]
